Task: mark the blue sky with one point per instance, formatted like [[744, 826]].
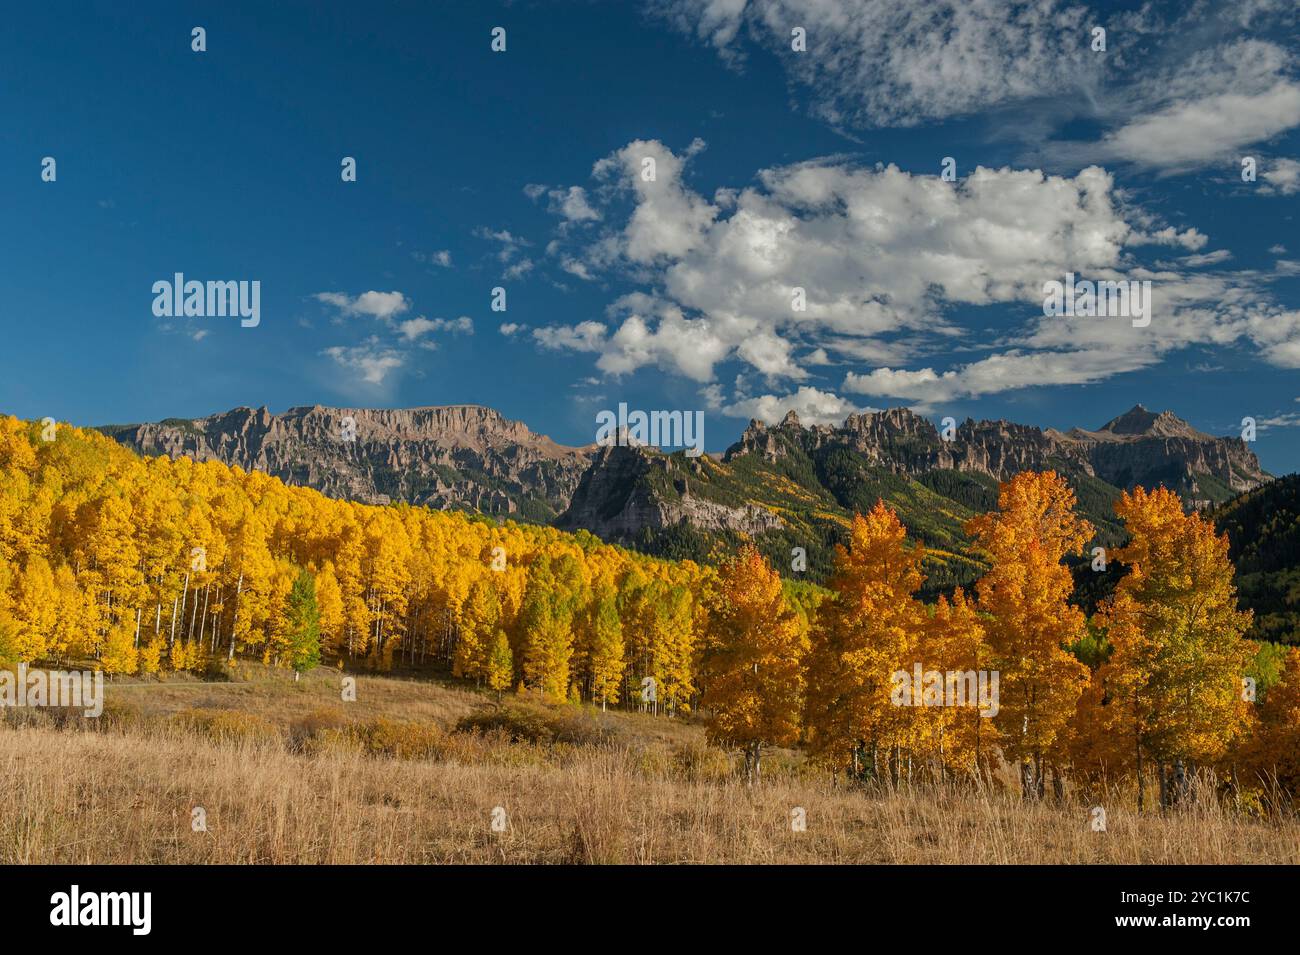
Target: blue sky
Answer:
[[775, 169]]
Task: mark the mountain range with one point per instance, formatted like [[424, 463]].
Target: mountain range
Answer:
[[785, 486]]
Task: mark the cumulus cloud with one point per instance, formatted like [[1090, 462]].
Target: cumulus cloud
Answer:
[[875, 251], [381, 305], [812, 405], [371, 361], [1283, 177], [416, 328], [1191, 239], [826, 262], [669, 219], [441, 258], [570, 204]]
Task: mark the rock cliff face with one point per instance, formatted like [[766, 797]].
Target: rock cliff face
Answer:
[[457, 456], [470, 457], [1138, 447], [629, 489]]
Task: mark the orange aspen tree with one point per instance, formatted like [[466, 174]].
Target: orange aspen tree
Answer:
[[866, 632], [752, 663], [1030, 622], [960, 736]]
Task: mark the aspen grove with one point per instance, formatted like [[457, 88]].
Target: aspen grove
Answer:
[[146, 565]]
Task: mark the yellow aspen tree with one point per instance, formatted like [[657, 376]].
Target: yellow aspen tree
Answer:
[[35, 609], [605, 655], [752, 662], [500, 663], [329, 598], [869, 629], [1030, 622], [546, 620], [77, 624], [1179, 654], [119, 654], [479, 619], [1272, 754], [149, 656]]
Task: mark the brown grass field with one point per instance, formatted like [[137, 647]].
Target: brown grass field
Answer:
[[286, 773]]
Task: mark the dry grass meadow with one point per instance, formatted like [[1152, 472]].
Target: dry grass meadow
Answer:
[[411, 773]]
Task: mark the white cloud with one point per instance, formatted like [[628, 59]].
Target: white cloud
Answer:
[[415, 328], [1195, 109], [1191, 239], [509, 253], [442, 258], [1283, 177], [997, 373], [517, 270], [810, 404], [371, 361], [669, 219], [1178, 86], [381, 305], [571, 204], [889, 260], [510, 329], [877, 251], [585, 336], [897, 62], [1198, 132], [1209, 258]]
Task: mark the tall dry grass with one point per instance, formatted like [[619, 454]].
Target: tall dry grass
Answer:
[[286, 776]]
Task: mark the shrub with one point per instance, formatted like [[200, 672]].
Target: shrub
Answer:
[[384, 737], [306, 731], [517, 724], [228, 725]]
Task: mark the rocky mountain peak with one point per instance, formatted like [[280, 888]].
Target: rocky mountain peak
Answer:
[[466, 456], [1138, 421]]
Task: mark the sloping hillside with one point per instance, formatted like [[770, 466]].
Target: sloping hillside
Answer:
[[1264, 529]]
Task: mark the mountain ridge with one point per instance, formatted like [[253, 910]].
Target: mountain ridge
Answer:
[[784, 485]]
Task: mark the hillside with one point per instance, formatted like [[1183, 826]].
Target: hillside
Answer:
[[1263, 527], [791, 486]]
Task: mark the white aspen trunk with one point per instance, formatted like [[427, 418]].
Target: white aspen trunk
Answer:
[[185, 593], [203, 620], [194, 615], [235, 617]]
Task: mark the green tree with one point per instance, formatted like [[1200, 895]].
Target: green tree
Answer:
[[303, 624]]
